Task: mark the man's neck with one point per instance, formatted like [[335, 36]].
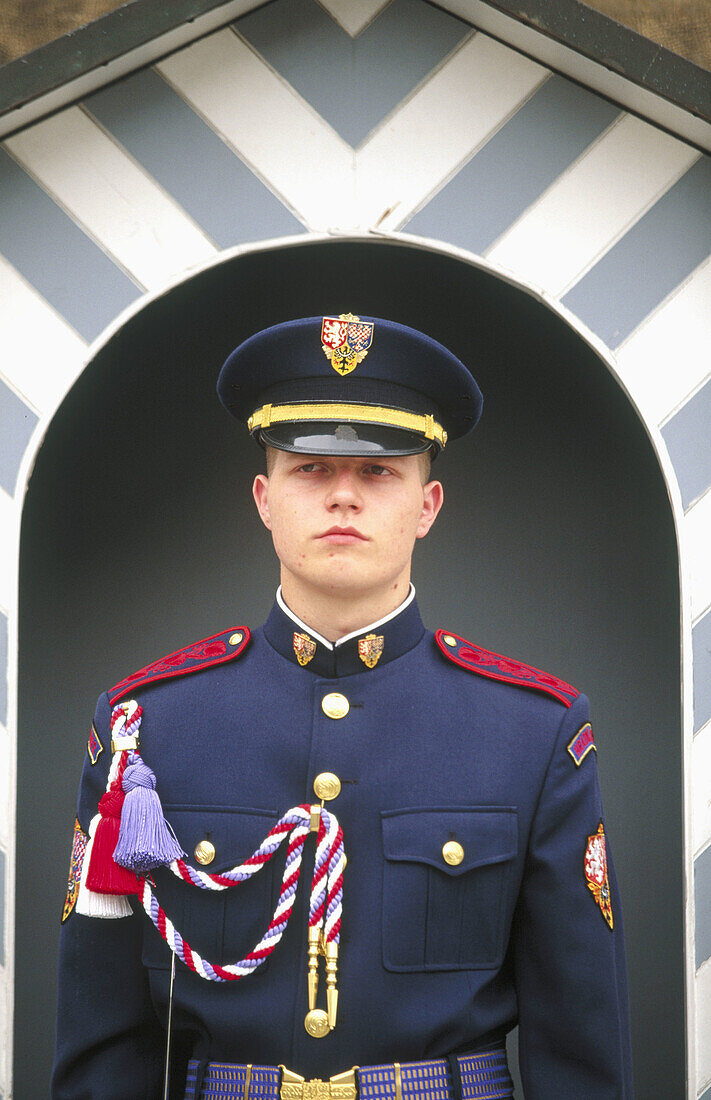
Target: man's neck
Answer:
[[334, 617]]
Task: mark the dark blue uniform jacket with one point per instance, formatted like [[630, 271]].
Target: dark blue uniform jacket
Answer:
[[434, 959]]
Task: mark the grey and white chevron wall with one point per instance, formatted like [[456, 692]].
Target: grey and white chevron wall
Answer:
[[399, 118]]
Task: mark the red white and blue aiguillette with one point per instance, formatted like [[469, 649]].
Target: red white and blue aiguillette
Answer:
[[129, 837]]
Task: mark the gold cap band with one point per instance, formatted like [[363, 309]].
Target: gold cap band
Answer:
[[426, 424]]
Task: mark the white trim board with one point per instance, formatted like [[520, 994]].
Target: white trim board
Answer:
[[592, 74], [146, 54], [477, 13]]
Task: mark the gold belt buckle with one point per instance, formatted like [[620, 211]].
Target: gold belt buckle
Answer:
[[342, 1086]]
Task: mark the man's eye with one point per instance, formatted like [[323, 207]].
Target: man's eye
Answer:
[[379, 471], [309, 467]]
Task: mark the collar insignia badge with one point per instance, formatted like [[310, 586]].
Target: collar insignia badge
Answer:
[[596, 872], [304, 648], [370, 649], [345, 340]]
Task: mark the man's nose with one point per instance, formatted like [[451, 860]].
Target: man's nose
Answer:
[[344, 491]]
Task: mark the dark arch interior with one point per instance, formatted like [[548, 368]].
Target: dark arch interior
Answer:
[[557, 546]]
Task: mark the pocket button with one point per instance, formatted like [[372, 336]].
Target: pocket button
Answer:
[[204, 852], [453, 853]]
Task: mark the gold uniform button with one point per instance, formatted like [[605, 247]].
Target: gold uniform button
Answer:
[[335, 705], [235, 639], [449, 640], [453, 853], [204, 852], [327, 786], [316, 1023]]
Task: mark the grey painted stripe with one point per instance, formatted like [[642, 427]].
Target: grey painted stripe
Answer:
[[17, 423], [657, 254], [3, 668], [701, 649], [688, 437], [702, 894], [190, 161], [513, 169], [56, 256], [352, 83], [3, 865]]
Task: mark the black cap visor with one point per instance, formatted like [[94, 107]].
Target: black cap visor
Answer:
[[359, 440]]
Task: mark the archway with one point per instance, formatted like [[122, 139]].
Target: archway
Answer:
[[138, 535]]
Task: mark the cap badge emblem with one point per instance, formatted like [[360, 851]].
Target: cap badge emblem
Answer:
[[304, 648], [370, 649], [596, 872], [345, 340]]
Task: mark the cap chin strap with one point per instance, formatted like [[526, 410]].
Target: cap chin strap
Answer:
[[424, 424]]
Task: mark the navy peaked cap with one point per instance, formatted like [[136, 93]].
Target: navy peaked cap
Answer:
[[349, 385]]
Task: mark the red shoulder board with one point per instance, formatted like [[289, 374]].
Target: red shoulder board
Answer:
[[215, 650], [496, 667]]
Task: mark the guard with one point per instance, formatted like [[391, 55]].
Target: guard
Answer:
[[339, 856]]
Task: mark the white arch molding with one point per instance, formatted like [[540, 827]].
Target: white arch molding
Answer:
[[603, 354]]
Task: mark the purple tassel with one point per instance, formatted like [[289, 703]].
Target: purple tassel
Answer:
[[145, 838]]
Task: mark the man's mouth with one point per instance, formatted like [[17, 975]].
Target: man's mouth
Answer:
[[342, 536]]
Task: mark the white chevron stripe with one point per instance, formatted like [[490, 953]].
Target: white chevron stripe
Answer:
[[703, 1027], [5, 793], [110, 196], [9, 527], [41, 354], [267, 124], [592, 204], [697, 539], [421, 146], [666, 358], [701, 784], [354, 18], [314, 172]]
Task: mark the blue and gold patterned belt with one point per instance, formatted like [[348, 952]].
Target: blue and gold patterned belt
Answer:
[[481, 1076]]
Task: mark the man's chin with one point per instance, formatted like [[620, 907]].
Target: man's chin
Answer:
[[342, 583]]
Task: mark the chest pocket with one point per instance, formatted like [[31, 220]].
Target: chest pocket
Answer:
[[447, 916], [221, 926]]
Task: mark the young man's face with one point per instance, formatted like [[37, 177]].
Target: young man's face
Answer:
[[346, 526]]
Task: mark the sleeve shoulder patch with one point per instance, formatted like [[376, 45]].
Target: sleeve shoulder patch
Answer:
[[94, 746], [215, 650], [596, 876], [582, 744], [496, 667], [79, 843]]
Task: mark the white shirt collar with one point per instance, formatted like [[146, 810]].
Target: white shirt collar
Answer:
[[354, 633]]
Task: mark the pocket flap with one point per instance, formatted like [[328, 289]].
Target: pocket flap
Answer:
[[485, 834], [234, 833]]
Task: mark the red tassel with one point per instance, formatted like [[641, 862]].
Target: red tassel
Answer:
[[105, 876]]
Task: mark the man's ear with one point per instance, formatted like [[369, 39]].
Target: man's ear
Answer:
[[433, 493], [260, 492]]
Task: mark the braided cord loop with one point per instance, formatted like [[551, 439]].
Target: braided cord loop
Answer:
[[326, 891]]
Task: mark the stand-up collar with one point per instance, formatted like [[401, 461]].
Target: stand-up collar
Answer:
[[374, 646]]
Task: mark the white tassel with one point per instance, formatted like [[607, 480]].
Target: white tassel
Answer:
[[91, 904]]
